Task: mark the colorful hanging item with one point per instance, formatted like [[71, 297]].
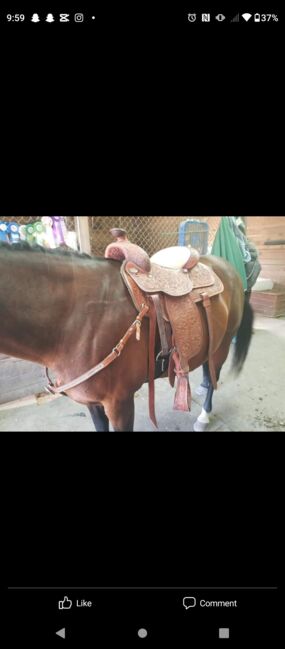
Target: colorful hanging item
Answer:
[[4, 232], [59, 230], [13, 231], [49, 236]]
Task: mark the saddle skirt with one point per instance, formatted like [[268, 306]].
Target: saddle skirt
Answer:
[[175, 282]]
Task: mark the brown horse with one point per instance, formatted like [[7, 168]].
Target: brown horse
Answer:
[[67, 311]]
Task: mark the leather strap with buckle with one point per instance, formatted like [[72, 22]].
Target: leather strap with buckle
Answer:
[[116, 352]]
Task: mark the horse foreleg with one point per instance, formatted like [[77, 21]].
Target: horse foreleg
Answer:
[[122, 415], [99, 418]]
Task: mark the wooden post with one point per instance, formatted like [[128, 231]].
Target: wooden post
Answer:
[[82, 230]]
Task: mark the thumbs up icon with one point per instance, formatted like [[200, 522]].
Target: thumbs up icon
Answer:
[[64, 604]]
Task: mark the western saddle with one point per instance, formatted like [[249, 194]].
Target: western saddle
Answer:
[[170, 284]]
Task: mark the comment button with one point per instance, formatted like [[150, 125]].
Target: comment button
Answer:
[[189, 602]]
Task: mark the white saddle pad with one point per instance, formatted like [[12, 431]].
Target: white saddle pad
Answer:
[[174, 257]]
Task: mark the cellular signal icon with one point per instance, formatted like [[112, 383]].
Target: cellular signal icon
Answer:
[[246, 16], [235, 19]]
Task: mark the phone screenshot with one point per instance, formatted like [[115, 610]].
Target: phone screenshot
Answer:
[[142, 348], [92, 292]]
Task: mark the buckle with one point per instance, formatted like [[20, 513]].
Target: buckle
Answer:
[[161, 355], [117, 350], [49, 389]]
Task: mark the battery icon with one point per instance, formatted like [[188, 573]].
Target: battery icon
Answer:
[[257, 18]]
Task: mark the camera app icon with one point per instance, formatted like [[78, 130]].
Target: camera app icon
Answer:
[[78, 18]]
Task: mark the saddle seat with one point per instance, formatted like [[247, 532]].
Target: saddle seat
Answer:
[[176, 257], [171, 283], [173, 271]]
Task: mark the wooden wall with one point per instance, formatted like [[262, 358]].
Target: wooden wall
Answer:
[[272, 257]]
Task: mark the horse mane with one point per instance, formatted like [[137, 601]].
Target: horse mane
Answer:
[[25, 246]]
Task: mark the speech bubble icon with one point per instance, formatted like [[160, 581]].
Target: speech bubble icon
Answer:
[[189, 602]]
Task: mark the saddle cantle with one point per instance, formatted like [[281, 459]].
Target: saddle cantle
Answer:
[[171, 283]]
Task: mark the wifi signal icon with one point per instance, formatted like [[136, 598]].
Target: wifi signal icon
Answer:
[[246, 16]]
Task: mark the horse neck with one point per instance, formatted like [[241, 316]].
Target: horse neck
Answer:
[[35, 297]]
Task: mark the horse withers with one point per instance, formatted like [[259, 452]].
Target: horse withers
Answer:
[[69, 312]]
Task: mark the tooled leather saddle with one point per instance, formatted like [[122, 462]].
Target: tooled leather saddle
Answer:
[[170, 283]]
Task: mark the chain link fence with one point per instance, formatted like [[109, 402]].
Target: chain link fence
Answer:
[[150, 232], [21, 220]]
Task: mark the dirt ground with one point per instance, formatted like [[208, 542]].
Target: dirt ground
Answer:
[[252, 402]]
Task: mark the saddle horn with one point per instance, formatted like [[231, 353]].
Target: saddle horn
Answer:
[[119, 234]]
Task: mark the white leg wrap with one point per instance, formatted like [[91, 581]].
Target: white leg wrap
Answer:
[[203, 417]]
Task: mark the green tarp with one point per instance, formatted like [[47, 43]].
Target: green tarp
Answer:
[[226, 246]]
